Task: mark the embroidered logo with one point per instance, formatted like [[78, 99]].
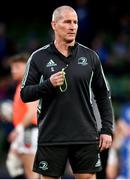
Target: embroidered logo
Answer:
[[43, 165], [51, 63], [98, 163], [83, 61]]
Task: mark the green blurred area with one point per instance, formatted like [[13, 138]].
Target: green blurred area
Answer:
[[22, 31], [120, 90]]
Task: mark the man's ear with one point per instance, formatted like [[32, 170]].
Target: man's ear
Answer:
[[53, 24]]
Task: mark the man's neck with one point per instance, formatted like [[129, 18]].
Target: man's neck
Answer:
[[63, 48]]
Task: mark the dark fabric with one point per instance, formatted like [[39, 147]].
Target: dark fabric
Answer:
[[51, 160], [68, 118]]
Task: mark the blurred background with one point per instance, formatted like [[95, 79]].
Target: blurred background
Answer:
[[104, 26]]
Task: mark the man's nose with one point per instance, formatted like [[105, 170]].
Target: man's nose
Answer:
[[73, 26]]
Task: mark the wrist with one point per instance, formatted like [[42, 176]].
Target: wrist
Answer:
[[19, 128]]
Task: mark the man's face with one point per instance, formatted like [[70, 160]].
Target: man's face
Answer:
[[66, 26], [17, 70]]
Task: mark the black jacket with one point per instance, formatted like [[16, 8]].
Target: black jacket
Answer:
[[67, 117]]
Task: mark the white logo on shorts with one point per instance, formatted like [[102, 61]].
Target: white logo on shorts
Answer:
[[43, 165], [98, 163]]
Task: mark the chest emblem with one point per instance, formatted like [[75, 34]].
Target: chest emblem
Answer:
[[83, 61], [51, 63]]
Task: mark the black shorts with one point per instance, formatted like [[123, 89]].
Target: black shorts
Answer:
[[51, 160]]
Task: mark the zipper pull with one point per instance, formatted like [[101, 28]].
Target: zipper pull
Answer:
[[63, 69]]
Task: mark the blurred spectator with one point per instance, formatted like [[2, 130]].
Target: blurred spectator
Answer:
[[24, 136], [118, 166]]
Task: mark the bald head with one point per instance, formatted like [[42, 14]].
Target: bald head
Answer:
[[57, 14]]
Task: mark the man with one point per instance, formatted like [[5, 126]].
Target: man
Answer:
[[24, 136], [62, 75]]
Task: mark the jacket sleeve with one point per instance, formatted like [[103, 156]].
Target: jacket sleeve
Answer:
[[33, 86], [102, 95]]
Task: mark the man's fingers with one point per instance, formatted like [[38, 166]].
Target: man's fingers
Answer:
[[57, 79], [60, 82], [104, 146], [105, 142], [60, 73]]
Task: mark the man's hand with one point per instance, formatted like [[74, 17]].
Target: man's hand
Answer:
[[105, 141], [57, 79]]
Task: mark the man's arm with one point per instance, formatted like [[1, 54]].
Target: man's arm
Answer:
[[33, 85], [103, 99], [102, 96]]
